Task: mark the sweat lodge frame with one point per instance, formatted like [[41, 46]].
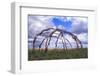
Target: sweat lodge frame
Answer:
[[62, 32], [19, 61]]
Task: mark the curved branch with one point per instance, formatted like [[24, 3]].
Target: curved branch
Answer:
[[44, 30], [69, 42], [63, 41], [41, 43], [75, 38], [34, 42], [51, 35], [80, 43], [46, 45], [65, 44], [57, 40]]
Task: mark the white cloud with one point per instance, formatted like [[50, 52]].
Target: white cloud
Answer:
[[79, 25], [83, 37], [38, 23]]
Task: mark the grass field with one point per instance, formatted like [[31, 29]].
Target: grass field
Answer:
[[53, 54]]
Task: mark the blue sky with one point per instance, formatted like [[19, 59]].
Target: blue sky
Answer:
[[58, 21], [76, 25]]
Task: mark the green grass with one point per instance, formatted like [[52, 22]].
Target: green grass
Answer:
[[53, 54]]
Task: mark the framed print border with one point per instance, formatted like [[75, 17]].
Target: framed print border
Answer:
[[18, 11]]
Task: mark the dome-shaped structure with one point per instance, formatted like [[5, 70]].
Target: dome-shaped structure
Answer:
[[47, 35]]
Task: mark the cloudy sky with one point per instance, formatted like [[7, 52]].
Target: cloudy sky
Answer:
[[75, 25]]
